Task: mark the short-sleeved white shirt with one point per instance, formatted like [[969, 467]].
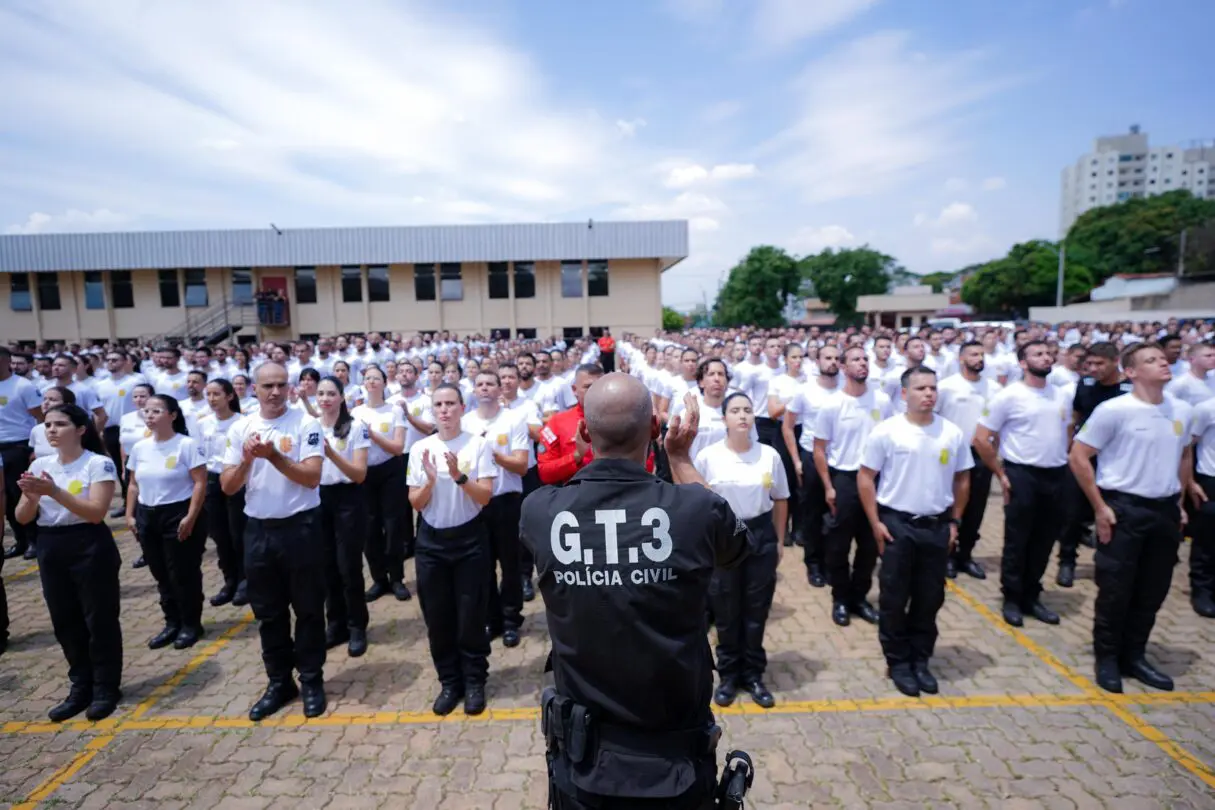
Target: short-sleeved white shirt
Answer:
[[213, 436], [117, 396], [449, 505], [86, 397], [358, 438], [506, 433], [269, 494], [162, 469], [383, 420], [17, 396], [712, 425], [528, 413], [1139, 445], [40, 444], [807, 400], [962, 402], [131, 429], [749, 481], [784, 388], [916, 464], [419, 407], [845, 421], [1203, 429], [172, 384], [1189, 388], [1032, 424], [76, 478]]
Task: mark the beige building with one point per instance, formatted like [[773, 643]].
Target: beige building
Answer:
[[902, 307], [567, 279]]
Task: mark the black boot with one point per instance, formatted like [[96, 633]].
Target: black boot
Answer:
[[1066, 577], [241, 597], [78, 700], [726, 692], [225, 594], [313, 695], [905, 680], [165, 637], [105, 702], [1145, 673], [447, 701], [188, 637], [358, 642], [278, 694]]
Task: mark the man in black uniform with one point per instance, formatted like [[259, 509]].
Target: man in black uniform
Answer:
[[1102, 381], [624, 561]]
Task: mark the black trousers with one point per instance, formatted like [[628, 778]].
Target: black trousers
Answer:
[[453, 568], [696, 800], [113, 448], [1134, 571], [741, 599], [79, 566], [608, 361], [285, 572], [410, 531], [912, 583], [1032, 520], [770, 434], [175, 564], [16, 461], [226, 525], [813, 505], [3, 603], [527, 563], [1202, 547], [505, 606], [343, 527], [849, 584], [1079, 512], [976, 508], [387, 497]]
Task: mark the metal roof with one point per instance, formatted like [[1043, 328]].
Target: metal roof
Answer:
[[288, 247]]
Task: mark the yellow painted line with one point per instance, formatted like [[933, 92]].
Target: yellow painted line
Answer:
[[61, 776], [1116, 704], [24, 572]]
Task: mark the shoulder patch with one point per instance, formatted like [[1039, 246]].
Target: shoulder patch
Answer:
[[109, 467], [1089, 381], [1126, 387], [314, 439], [548, 435], [739, 526]]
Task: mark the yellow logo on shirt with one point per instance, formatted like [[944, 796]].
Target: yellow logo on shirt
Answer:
[[341, 444], [383, 427], [284, 444], [122, 392], [986, 412], [876, 414], [945, 455], [1177, 427], [417, 410], [502, 440], [170, 462], [767, 480], [75, 487], [3, 401], [147, 432], [466, 467]]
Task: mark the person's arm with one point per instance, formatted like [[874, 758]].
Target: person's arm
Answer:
[[557, 464], [515, 461], [91, 509], [961, 496], [100, 418], [1080, 461], [197, 498], [394, 446], [238, 462], [866, 489], [356, 468], [787, 425], [823, 471], [132, 499], [421, 477], [420, 425], [1186, 474]]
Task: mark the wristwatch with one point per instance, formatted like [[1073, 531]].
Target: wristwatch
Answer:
[[462, 480]]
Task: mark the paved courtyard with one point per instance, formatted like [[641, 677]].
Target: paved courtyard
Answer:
[[1018, 723]]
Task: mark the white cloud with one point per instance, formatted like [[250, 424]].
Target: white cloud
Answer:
[[816, 239], [994, 184], [956, 213], [779, 23], [685, 205], [629, 128], [956, 184], [977, 246], [100, 220], [720, 111], [690, 174]]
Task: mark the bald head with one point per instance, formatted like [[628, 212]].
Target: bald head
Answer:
[[619, 413]]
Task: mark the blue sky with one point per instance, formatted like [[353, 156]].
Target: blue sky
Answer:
[[934, 130]]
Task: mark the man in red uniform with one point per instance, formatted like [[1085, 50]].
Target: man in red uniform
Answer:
[[564, 450]]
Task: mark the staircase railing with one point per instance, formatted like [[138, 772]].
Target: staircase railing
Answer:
[[224, 317]]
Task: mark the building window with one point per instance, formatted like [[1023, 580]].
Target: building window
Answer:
[[499, 280], [122, 293], [19, 298], [48, 291], [170, 293], [571, 332], [424, 282], [597, 331], [196, 288], [525, 279], [525, 334], [94, 290], [352, 285], [305, 285], [310, 336], [499, 334], [377, 283], [597, 278], [571, 279], [451, 286], [242, 286]]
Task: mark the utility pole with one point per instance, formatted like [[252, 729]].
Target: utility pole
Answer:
[[1181, 254], [1059, 285]]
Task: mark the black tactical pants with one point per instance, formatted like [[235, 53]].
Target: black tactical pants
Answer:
[[696, 801], [912, 583], [3, 604], [285, 572], [813, 507], [849, 584], [1032, 520], [1202, 547], [78, 566], [505, 605], [1079, 512], [1134, 572], [387, 511], [226, 525], [770, 434], [527, 563], [976, 507], [16, 461], [741, 599], [113, 448], [453, 587], [175, 564], [343, 527]]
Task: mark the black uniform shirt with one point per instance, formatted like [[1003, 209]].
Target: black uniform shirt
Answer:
[[1090, 394], [624, 561]]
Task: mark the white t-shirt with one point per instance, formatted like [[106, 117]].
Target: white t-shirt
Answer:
[[1190, 389], [131, 429], [784, 388], [17, 396], [213, 435], [419, 407], [712, 426], [77, 478], [962, 402], [449, 505], [528, 413], [945, 365], [194, 410], [506, 433], [806, 403], [173, 384], [844, 422], [269, 494], [1203, 428], [358, 438], [748, 481], [383, 420], [1139, 445], [40, 444], [1032, 424], [86, 397], [162, 469], [916, 465], [117, 396], [759, 380]]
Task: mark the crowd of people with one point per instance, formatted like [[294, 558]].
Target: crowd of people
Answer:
[[859, 445]]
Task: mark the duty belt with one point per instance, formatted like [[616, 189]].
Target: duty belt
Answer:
[[572, 730], [920, 521]]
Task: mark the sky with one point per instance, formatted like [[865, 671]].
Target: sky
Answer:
[[932, 130]]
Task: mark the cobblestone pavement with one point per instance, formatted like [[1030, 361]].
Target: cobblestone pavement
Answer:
[[1018, 723]]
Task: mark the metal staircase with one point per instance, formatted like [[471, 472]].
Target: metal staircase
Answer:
[[211, 326]]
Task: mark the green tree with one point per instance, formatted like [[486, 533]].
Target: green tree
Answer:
[[672, 320], [938, 281], [840, 276], [1026, 277], [757, 289], [1136, 236]]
